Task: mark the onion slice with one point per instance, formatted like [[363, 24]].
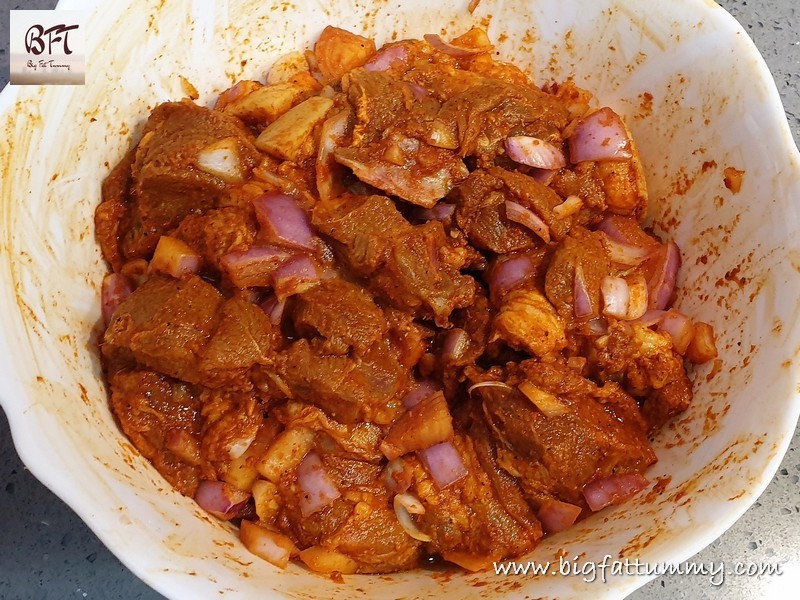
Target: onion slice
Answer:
[[397, 475], [220, 499], [444, 464], [557, 516], [568, 207], [317, 487], [680, 329], [614, 489], [616, 296], [175, 257], [600, 136], [451, 49], [625, 254], [418, 391], [489, 384], [406, 505], [274, 308], [455, 344], [534, 152], [583, 302], [272, 546], [283, 222], [442, 211], [253, 267], [638, 297], [294, 276], [527, 218], [113, 292], [506, 274], [383, 60], [548, 404], [662, 284], [703, 346]]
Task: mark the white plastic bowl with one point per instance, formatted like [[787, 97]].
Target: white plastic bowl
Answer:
[[698, 98]]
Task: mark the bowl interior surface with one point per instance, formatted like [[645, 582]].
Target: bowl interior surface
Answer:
[[698, 99]]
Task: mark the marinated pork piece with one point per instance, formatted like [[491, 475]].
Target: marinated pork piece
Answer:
[[392, 305]]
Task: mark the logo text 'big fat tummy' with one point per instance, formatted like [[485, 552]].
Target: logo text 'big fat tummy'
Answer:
[[47, 47]]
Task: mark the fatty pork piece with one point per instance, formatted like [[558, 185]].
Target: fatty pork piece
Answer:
[[185, 329], [481, 210], [582, 255], [483, 115], [413, 267], [341, 314], [161, 417], [162, 182], [480, 518], [563, 431], [364, 387], [646, 364], [358, 529]]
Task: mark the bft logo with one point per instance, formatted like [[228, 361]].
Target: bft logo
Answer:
[[47, 47], [35, 40]]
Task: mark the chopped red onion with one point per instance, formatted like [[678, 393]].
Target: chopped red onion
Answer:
[[455, 51], [444, 464], [600, 136], [253, 267], [384, 59], [534, 152], [527, 218], [625, 254], [220, 499], [614, 489], [616, 296], [597, 326], [274, 308], [331, 136], [113, 292], [420, 93], [420, 390], [283, 221], [651, 317], [397, 476], [272, 546], [557, 516], [662, 284], [610, 228], [639, 296], [544, 176], [489, 384], [406, 505], [583, 302], [679, 327], [442, 211], [294, 276], [506, 274], [318, 490], [175, 257], [703, 346], [455, 344]]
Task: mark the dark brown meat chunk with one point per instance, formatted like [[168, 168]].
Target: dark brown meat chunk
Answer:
[[647, 366], [559, 454], [342, 314], [218, 232], [414, 269], [468, 522], [349, 389], [183, 328], [152, 409], [481, 214], [166, 184], [580, 248], [112, 213]]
